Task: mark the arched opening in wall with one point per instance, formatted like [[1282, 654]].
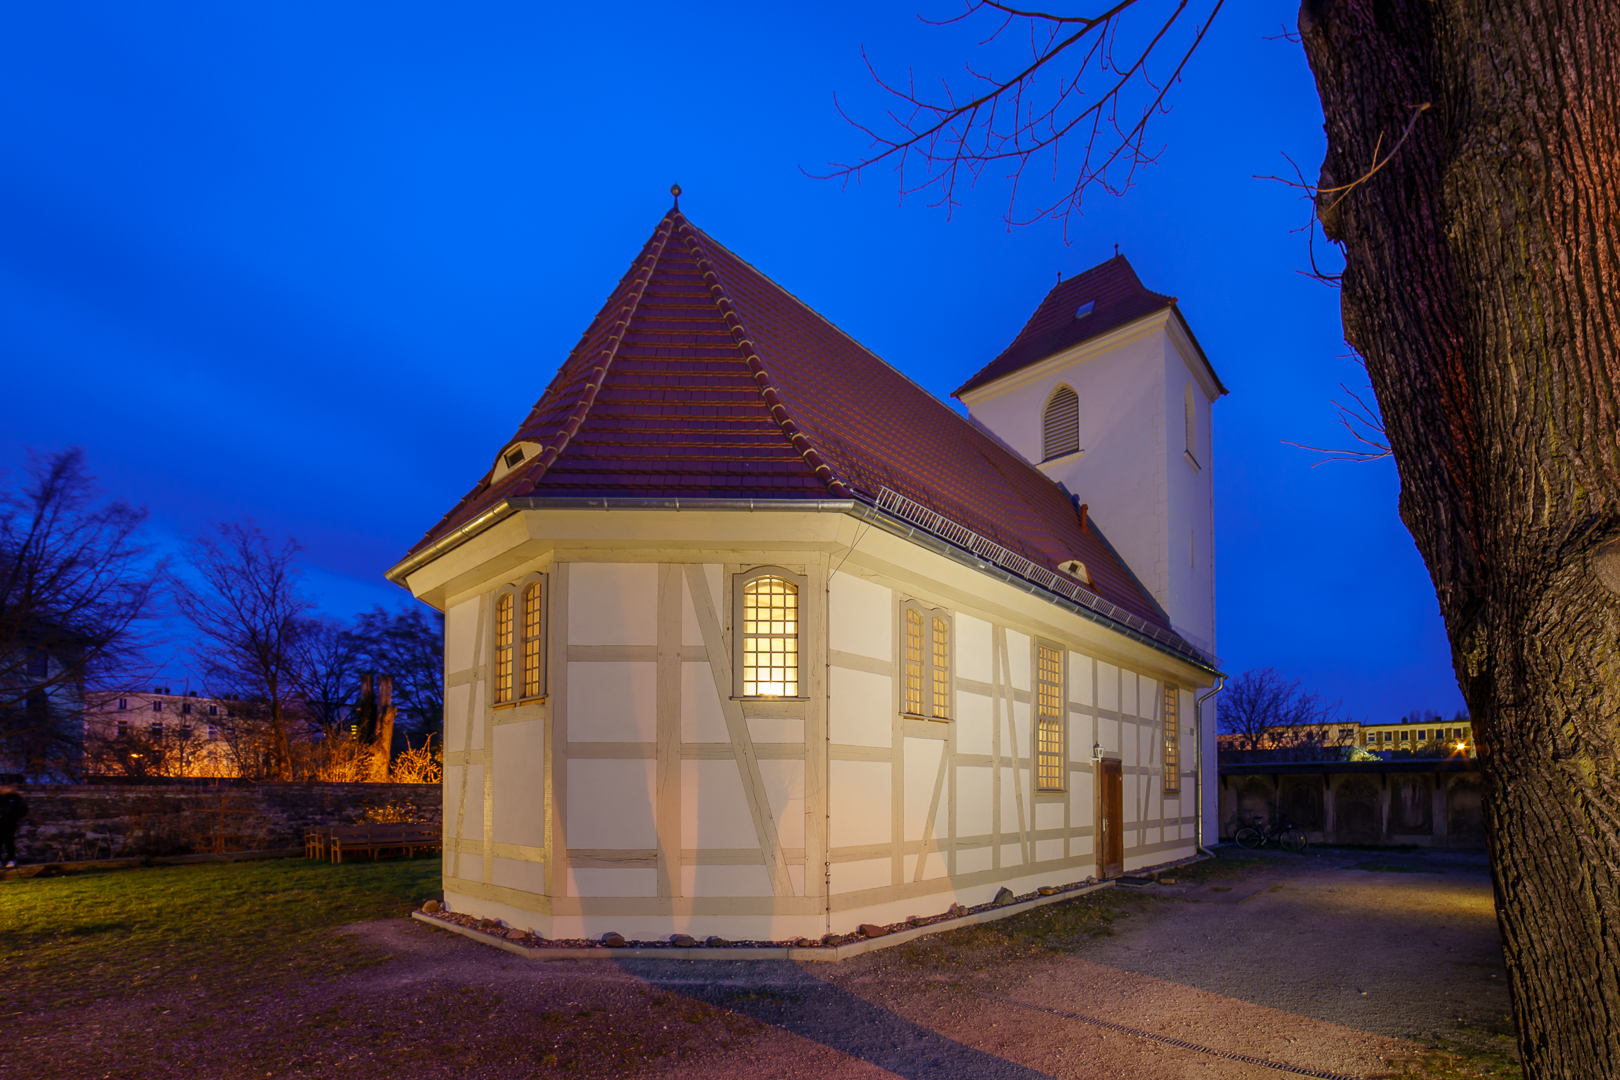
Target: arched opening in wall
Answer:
[[1060, 424]]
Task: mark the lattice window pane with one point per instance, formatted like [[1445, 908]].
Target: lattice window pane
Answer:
[[914, 663], [770, 645], [1061, 430], [1050, 767], [942, 670], [533, 596], [1172, 742], [503, 648]]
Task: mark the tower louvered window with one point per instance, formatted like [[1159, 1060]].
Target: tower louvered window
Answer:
[[1061, 427]]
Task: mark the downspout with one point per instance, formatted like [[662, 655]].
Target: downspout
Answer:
[[1198, 773]]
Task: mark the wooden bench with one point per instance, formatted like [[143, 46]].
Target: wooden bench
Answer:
[[404, 837]]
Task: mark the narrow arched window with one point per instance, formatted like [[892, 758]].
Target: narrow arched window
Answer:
[[503, 648], [767, 637], [1060, 429], [534, 596], [926, 655]]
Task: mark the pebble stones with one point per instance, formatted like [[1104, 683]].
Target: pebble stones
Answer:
[[1004, 897], [612, 940], [872, 930], [430, 907], [956, 911], [715, 941], [831, 939], [515, 935], [805, 943], [1047, 890], [684, 941]]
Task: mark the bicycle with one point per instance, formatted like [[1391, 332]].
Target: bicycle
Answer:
[[1288, 836]]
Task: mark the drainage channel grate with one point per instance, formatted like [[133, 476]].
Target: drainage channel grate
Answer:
[[1280, 1066]]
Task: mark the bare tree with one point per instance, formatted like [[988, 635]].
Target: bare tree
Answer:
[[245, 601], [76, 584], [409, 645], [1469, 181], [1262, 710], [329, 659]]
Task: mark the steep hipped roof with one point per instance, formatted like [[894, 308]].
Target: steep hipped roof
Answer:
[[1116, 295], [702, 378]]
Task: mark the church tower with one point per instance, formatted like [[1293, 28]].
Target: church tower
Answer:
[[1107, 391]]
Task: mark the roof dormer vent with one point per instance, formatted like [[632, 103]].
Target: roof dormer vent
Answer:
[[1085, 309], [512, 457], [1077, 569]]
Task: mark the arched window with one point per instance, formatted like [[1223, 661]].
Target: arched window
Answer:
[[1060, 429], [926, 649], [534, 653], [503, 648], [1191, 418], [767, 637], [520, 641]]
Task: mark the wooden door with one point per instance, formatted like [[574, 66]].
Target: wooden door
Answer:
[[1110, 818]]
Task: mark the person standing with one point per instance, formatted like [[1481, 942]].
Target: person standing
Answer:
[[13, 809]]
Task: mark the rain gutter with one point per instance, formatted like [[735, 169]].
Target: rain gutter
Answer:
[[857, 508]]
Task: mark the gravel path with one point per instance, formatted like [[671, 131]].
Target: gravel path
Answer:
[[1337, 964]]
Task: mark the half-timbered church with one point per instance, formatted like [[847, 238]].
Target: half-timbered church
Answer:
[[748, 635]]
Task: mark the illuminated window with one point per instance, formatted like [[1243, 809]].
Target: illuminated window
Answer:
[[503, 648], [534, 653], [767, 638], [1406, 736], [914, 662], [1172, 741], [926, 651], [942, 668], [1050, 767], [1060, 428]]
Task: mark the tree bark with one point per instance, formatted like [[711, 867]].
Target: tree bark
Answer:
[[1479, 288]]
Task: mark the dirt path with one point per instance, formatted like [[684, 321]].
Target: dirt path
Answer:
[[1333, 965]]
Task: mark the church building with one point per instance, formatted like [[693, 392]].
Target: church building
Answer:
[[749, 635]]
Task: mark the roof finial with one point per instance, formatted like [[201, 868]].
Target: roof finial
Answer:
[[1116, 249], [675, 190], [1060, 277]]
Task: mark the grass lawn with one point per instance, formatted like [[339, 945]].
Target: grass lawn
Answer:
[[99, 935]]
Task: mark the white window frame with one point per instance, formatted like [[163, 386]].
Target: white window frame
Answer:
[[1044, 722], [739, 585], [928, 701], [518, 693]]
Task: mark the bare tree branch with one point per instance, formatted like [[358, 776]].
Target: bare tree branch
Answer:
[[937, 141]]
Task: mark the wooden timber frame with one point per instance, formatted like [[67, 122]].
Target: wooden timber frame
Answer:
[[641, 795]]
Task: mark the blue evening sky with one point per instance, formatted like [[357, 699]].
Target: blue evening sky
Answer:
[[311, 263]]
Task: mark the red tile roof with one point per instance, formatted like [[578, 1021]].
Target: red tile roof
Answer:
[[702, 378], [1117, 296]]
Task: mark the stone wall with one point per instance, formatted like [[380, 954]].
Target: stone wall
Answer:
[[92, 821], [1419, 803]]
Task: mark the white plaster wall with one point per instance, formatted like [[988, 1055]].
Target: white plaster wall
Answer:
[[725, 881], [460, 631], [861, 709], [520, 874], [922, 757], [610, 804], [973, 793], [784, 791], [1019, 658], [701, 717], [612, 702], [466, 700], [972, 723], [972, 648], [691, 632], [858, 793], [519, 764], [714, 807], [613, 604], [1080, 678], [850, 877], [616, 881], [859, 617]]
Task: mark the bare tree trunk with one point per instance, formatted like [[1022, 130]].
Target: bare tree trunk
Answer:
[[384, 752], [1480, 289]]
